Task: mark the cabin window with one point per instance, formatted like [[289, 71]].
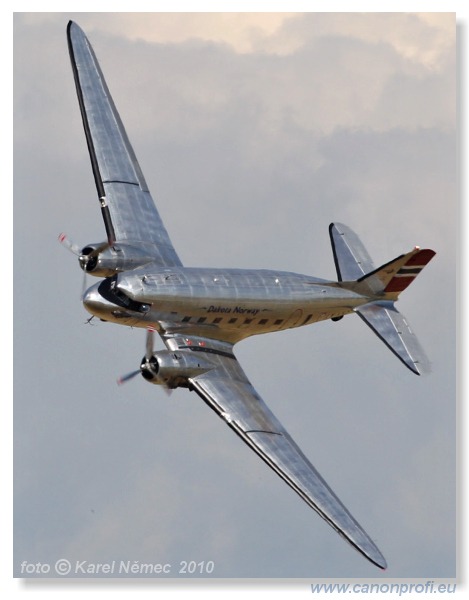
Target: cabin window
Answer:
[[172, 278]]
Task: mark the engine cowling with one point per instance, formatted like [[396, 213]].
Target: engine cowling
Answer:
[[103, 260], [173, 369]]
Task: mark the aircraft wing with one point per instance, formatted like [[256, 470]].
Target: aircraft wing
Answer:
[[227, 390], [129, 213]]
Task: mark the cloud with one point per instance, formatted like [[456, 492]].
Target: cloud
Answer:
[[369, 82], [423, 38], [243, 32]]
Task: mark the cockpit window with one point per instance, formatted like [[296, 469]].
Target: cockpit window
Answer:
[[109, 290]]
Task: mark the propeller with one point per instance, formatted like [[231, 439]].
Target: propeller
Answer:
[[76, 250], [145, 366], [89, 257], [83, 259]]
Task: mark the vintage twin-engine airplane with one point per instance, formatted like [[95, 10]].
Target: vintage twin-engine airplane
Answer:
[[201, 313]]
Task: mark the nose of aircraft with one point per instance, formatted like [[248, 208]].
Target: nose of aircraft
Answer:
[[94, 302]]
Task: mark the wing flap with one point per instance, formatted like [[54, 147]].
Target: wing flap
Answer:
[[229, 393]]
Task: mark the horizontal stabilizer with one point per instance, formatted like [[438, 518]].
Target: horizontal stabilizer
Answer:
[[389, 325]]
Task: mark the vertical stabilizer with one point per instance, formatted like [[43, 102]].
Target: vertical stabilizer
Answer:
[[351, 258]]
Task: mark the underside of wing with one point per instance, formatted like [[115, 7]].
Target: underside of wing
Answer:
[[226, 389], [130, 215]]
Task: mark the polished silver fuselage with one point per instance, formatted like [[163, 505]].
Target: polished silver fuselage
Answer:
[[228, 304]]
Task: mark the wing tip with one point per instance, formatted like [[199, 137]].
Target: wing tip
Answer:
[[370, 551], [379, 561], [70, 24], [74, 28], [365, 546]]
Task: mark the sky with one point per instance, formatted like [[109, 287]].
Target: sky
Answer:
[[254, 132]]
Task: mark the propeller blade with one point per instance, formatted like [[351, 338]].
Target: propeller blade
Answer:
[[150, 343], [148, 355], [127, 377], [69, 245], [63, 239], [84, 284]]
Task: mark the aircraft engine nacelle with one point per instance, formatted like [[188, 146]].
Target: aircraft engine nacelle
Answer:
[[173, 369], [103, 260]]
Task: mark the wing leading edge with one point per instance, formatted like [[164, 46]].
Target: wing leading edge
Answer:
[[227, 390], [129, 213]]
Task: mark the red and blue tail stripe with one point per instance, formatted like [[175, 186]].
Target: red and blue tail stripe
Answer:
[[409, 271]]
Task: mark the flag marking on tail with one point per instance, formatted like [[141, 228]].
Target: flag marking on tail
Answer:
[[408, 272]]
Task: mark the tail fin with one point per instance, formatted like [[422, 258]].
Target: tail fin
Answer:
[[354, 265], [352, 261], [394, 277]]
